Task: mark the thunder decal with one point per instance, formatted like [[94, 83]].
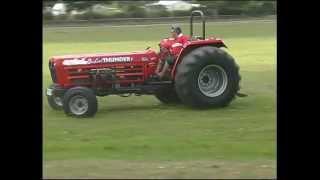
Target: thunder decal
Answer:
[[70, 62], [84, 61]]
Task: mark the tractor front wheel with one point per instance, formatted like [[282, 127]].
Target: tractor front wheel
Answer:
[[80, 102], [207, 77], [54, 101]]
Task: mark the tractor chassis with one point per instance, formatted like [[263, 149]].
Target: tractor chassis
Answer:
[[147, 88]]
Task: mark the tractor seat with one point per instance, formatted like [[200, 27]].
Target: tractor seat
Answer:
[[196, 38]]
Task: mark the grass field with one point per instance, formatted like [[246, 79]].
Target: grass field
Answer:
[[138, 137]]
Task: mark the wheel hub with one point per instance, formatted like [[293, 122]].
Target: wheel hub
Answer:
[[205, 79], [78, 105], [212, 80], [58, 100]]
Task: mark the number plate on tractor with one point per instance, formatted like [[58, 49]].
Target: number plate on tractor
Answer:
[[49, 92]]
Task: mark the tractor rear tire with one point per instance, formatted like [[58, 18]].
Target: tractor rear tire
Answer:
[[54, 101], [207, 77], [80, 102], [167, 95]]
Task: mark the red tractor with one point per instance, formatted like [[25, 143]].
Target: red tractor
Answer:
[[203, 75]]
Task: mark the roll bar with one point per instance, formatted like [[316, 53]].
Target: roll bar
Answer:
[[203, 23]]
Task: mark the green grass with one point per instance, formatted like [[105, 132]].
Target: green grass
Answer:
[[141, 129]]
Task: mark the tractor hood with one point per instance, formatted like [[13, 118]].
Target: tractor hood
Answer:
[[102, 58]]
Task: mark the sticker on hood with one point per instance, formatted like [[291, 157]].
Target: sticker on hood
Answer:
[[84, 61]]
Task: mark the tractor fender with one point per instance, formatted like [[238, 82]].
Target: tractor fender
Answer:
[[188, 47]]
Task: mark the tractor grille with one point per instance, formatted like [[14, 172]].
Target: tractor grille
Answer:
[[52, 72]]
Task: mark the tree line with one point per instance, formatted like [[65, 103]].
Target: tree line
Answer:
[[125, 9]]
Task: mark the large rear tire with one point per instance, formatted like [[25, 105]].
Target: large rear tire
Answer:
[[207, 77], [167, 95], [80, 102]]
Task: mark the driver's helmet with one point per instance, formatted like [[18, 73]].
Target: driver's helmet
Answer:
[[175, 28]]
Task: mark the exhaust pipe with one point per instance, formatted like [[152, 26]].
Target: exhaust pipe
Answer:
[[241, 95]]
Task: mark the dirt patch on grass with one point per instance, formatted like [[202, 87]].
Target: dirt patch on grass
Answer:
[[159, 169]]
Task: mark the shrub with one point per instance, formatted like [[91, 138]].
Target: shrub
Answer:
[[181, 13], [136, 11], [47, 16]]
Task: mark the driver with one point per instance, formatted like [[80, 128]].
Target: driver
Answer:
[[172, 49]]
